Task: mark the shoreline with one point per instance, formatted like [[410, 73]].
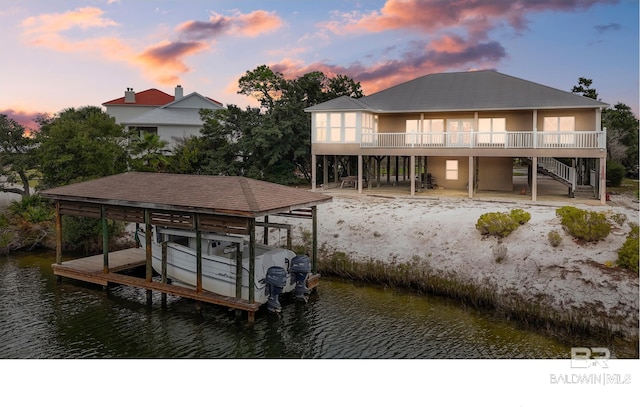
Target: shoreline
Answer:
[[573, 280]]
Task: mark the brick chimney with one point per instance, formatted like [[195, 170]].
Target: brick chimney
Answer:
[[129, 96], [179, 93]]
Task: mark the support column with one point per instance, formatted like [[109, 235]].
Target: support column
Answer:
[[325, 172], [147, 248], [238, 270], [603, 180], [359, 173], [313, 172], [335, 169], [198, 255], [58, 234], [265, 234], [163, 273], [105, 239], [412, 174], [534, 178], [471, 172], [314, 236], [397, 165], [252, 259]]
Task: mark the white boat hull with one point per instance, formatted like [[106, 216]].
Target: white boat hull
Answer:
[[218, 264]]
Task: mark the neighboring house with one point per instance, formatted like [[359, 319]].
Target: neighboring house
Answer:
[[465, 129], [154, 111]]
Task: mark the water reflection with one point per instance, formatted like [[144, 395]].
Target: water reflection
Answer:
[[40, 318]]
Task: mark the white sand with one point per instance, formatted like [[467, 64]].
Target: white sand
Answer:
[[443, 232]]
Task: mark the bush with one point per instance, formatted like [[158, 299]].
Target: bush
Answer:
[[619, 218], [586, 225], [628, 253], [521, 216], [615, 174], [501, 224], [554, 238]]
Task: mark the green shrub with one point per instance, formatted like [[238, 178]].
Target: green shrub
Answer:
[[615, 174], [628, 253], [501, 224], [554, 238], [586, 225], [619, 218], [521, 216]]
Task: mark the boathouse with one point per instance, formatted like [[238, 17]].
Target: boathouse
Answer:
[[204, 204]]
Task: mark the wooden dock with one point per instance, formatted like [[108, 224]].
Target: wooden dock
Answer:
[[90, 269]]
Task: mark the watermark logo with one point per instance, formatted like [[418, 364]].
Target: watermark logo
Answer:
[[589, 357]]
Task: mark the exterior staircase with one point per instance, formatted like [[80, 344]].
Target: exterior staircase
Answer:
[[558, 171]]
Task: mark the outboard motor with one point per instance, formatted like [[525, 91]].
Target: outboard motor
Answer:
[[275, 280], [300, 268]]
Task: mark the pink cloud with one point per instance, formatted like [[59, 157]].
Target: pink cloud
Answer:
[[26, 119], [248, 25], [165, 60]]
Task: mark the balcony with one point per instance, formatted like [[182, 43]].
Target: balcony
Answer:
[[506, 140]]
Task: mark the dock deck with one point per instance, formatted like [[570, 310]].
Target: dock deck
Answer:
[[90, 269]]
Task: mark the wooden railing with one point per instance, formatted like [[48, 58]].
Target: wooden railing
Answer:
[[509, 139]]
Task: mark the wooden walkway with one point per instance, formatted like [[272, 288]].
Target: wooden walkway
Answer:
[[90, 269]]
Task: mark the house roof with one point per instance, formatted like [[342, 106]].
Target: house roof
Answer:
[[150, 97], [465, 91], [174, 114], [220, 195]]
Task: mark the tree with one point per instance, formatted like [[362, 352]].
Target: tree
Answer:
[[622, 136], [16, 155], [583, 88], [147, 152], [277, 145], [80, 144]]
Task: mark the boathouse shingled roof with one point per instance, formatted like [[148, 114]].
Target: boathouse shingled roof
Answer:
[[464, 91], [222, 195]]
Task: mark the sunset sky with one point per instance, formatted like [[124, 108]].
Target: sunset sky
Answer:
[[71, 53]]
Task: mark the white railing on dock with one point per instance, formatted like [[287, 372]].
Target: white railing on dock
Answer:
[[509, 139]]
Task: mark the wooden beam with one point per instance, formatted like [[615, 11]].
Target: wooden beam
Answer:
[[105, 240], [58, 234], [252, 259]]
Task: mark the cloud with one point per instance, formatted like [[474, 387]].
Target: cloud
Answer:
[[601, 29], [164, 61], [443, 35], [26, 119], [419, 59], [247, 25]]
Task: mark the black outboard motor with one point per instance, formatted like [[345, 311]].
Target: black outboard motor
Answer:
[[300, 268], [276, 279]]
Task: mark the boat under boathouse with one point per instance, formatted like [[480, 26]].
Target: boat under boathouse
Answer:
[[228, 207]]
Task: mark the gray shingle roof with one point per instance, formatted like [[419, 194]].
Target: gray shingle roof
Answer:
[[237, 196], [470, 91]]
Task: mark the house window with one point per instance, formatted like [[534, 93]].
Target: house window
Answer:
[[411, 131], [451, 170], [349, 127], [460, 131], [335, 126], [563, 126], [492, 130], [434, 129], [321, 127]]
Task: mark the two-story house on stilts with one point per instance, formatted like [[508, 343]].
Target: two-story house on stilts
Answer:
[[463, 129]]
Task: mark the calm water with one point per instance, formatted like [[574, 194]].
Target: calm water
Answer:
[[40, 318]]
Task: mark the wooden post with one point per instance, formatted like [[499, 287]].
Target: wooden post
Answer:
[[412, 174], [265, 238], [164, 271], [252, 259], [314, 169], [470, 180], [360, 173], [149, 258], [534, 178], [105, 240], [238, 270], [198, 255], [314, 243], [58, 234]]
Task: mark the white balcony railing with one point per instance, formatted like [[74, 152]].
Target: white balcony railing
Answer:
[[509, 139]]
